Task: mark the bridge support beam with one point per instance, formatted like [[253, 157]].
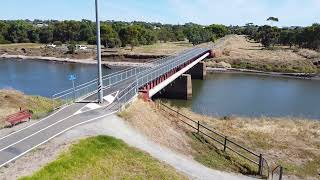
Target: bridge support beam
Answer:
[[181, 88], [199, 71]]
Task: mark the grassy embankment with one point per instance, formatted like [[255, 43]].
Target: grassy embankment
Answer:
[[11, 101], [35, 49], [105, 157], [159, 48], [293, 143], [22, 45], [242, 53]]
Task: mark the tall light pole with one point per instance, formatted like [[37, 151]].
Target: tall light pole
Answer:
[[100, 85]]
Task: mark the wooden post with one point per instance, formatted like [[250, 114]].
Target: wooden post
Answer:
[[281, 172], [225, 144], [198, 127], [260, 165]]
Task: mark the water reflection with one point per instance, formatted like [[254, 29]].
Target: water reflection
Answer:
[[223, 94]]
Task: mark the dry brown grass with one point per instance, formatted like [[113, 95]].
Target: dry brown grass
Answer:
[[293, 143], [158, 48], [12, 100], [143, 116], [22, 45], [242, 53]]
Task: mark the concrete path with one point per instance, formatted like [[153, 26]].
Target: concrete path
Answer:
[[116, 127]]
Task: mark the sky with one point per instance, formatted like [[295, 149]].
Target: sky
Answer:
[[227, 12]]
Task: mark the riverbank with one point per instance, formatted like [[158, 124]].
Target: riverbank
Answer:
[[242, 53], [293, 143], [11, 101], [67, 60], [307, 76], [119, 56]]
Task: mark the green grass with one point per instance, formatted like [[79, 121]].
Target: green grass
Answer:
[[309, 169], [275, 67], [209, 155], [104, 157], [41, 106], [11, 101]]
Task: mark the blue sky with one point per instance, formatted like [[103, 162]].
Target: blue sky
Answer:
[[235, 12]]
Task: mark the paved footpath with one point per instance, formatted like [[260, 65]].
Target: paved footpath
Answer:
[[24, 140]]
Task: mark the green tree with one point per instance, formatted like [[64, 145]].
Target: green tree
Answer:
[[33, 35], [86, 30], [129, 36], [46, 35], [72, 47], [18, 31], [109, 37], [219, 30], [269, 35]]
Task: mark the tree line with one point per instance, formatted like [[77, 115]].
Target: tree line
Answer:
[[269, 36], [113, 33]]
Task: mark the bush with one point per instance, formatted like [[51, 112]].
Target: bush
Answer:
[[92, 41], [72, 47], [3, 40]]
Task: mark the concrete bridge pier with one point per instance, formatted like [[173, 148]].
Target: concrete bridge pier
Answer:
[[181, 88], [199, 71]]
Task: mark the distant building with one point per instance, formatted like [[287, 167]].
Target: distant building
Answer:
[[40, 25]]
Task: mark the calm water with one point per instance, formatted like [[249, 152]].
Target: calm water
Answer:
[[43, 78], [225, 94]]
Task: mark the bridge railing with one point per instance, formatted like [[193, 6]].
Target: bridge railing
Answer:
[[90, 88], [178, 61]]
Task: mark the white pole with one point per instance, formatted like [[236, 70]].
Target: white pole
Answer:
[[100, 85]]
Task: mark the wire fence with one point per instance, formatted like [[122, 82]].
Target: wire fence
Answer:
[[226, 144]]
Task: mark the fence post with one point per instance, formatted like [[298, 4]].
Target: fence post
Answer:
[[198, 127], [225, 143], [281, 172], [260, 165]]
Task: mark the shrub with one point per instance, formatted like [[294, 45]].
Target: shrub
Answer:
[[72, 47]]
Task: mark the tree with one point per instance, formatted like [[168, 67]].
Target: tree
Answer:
[[33, 35], [86, 30], [268, 35], [129, 35], [109, 37], [72, 47], [273, 19], [18, 32], [46, 35], [164, 35], [219, 30], [287, 37]]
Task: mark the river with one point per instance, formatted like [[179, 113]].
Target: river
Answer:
[[250, 95], [36, 77], [221, 94]]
